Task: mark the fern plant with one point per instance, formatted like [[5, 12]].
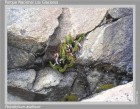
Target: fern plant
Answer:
[[65, 57]]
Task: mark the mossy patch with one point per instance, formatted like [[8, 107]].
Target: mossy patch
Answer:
[[70, 97], [104, 87]]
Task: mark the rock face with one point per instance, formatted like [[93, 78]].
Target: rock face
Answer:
[[105, 59], [123, 93], [112, 43]]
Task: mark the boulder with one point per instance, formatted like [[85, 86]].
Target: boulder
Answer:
[[37, 23], [21, 51], [21, 78], [111, 43], [122, 93], [53, 85], [46, 78]]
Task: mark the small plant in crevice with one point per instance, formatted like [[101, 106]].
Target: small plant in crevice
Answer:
[[66, 55]]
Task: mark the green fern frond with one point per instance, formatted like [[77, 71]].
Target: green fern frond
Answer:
[[80, 37], [52, 65], [67, 39], [71, 40], [75, 48], [70, 60]]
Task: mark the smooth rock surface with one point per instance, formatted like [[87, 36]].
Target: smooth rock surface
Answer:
[[111, 43], [21, 79], [122, 93], [38, 23]]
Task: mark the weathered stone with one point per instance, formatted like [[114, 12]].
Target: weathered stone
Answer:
[[112, 43], [46, 78], [21, 79], [122, 93], [120, 12], [38, 23]]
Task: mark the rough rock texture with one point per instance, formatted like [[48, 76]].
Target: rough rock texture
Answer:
[[110, 43], [21, 51], [122, 93], [21, 79], [38, 23]]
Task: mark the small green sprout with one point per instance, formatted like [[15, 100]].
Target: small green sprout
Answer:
[[65, 58]]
